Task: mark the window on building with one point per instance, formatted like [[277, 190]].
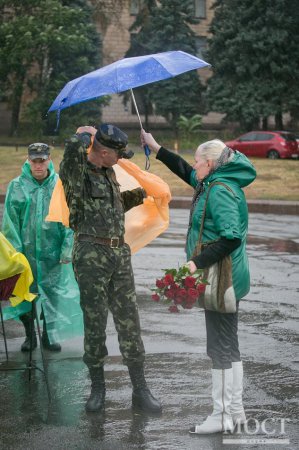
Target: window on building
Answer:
[[201, 46], [200, 9]]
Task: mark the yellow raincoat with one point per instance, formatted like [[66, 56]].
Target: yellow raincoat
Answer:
[[15, 263]]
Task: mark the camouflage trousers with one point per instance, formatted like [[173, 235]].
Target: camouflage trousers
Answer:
[[106, 282]]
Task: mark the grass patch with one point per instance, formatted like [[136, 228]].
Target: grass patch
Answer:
[[276, 179]]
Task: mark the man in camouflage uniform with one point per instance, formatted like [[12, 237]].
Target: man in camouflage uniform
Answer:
[[101, 259]]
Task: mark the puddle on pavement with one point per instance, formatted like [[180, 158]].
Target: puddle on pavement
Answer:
[[274, 245], [183, 383]]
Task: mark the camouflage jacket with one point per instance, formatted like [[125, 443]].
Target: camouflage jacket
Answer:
[[97, 207]]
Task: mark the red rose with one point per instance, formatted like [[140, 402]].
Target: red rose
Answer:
[[190, 301], [173, 309], [178, 300], [169, 293], [189, 282], [193, 293], [181, 293], [155, 297], [168, 280], [201, 288], [160, 284]]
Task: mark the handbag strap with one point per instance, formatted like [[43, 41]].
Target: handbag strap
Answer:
[[198, 245]]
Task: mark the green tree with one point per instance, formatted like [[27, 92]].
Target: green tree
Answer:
[[164, 26], [43, 45], [141, 29], [254, 53]]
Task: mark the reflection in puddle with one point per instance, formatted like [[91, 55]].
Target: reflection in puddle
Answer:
[[275, 245], [177, 240]]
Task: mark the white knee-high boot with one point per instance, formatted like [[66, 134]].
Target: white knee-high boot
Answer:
[[237, 410], [220, 419]]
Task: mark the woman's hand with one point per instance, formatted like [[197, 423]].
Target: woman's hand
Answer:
[[192, 267], [147, 139]]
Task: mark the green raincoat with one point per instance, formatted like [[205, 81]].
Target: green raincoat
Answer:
[[226, 215], [44, 244]]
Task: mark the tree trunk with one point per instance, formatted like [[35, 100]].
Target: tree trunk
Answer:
[[16, 106], [265, 123], [278, 121]]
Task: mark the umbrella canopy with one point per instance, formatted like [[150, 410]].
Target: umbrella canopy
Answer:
[[126, 74]]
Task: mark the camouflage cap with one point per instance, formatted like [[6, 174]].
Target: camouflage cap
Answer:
[[111, 137], [38, 150]]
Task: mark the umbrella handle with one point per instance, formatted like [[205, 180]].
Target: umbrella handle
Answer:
[[147, 153]]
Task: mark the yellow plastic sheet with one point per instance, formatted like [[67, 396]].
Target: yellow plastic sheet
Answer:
[[144, 222], [13, 263]]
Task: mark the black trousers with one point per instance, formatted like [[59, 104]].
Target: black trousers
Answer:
[[222, 339]]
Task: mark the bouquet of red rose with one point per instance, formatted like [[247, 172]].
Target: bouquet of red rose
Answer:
[[179, 288]]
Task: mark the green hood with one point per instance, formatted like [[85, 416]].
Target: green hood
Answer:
[[239, 171], [26, 173]]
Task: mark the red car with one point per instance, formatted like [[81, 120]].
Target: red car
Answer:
[[266, 144]]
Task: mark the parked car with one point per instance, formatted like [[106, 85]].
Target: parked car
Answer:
[[267, 144]]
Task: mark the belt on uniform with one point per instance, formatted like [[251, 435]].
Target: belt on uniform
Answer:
[[113, 242]]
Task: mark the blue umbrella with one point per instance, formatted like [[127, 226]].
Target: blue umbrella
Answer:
[[124, 75]]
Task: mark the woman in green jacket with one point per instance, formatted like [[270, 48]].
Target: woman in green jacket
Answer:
[[225, 229]]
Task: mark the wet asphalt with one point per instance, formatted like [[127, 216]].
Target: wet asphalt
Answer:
[[177, 368]]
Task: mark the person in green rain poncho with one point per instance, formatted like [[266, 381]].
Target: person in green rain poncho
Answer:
[[48, 248]]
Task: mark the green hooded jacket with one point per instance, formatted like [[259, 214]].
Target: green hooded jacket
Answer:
[[226, 215], [44, 244]]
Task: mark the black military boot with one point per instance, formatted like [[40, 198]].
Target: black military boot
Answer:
[[55, 347], [142, 397], [26, 320], [96, 401]]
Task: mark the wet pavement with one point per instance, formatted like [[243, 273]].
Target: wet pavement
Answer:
[[177, 368]]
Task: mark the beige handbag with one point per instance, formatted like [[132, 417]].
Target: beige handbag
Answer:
[[219, 294]]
